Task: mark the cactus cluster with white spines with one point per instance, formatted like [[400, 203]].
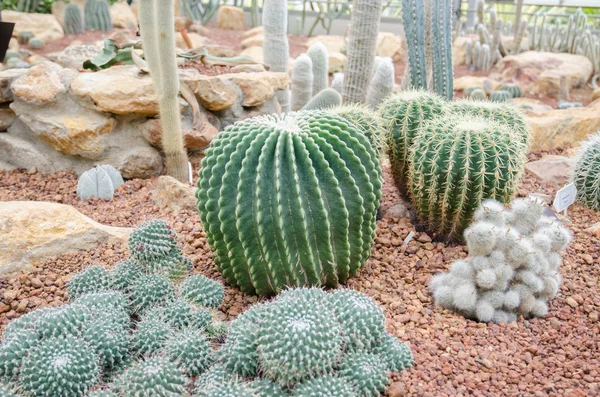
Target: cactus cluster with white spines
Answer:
[[513, 267]]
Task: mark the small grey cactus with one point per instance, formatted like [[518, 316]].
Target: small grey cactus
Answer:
[[328, 98], [100, 182], [382, 84], [302, 82], [276, 46], [320, 67], [337, 83]]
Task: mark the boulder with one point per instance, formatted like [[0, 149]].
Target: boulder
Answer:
[[6, 79], [541, 72], [257, 88], [464, 82], [213, 92], [197, 40], [122, 16], [256, 40], [256, 53], [74, 56], [193, 138], [43, 26], [230, 18], [389, 45], [596, 94], [563, 128], [332, 43], [171, 195], [41, 84], [33, 232], [119, 90], [248, 68], [529, 106], [219, 50], [253, 31], [7, 117], [555, 170], [337, 60]]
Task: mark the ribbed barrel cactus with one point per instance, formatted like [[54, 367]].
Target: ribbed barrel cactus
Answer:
[[586, 175], [458, 161], [366, 120], [289, 201]]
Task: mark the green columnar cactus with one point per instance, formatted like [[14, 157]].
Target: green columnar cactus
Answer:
[[480, 12], [89, 14], [125, 274], [366, 372], [150, 290], [190, 349], [320, 67], [73, 19], [587, 172], [519, 37], [36, 43], [514, 89], [443, 73], [202, 291], [469, 52], [101, 17], [325, 386], [500, 96], [109, 340], [501, 113], [382, 85], [60, 367], [13, 349], [450, 166], [413, 16], [326, 99], [484, 61], [158, 39], [366, 121], [402, 115], [362, 45], [28, 5], [92, 279], [276, 46], [153, 377], [335, 194], [302, 82]]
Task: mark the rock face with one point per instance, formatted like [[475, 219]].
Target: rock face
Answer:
[[530, 106], [35, 231], [122, 16], [541, 72], [43, 26], [551, 169], [41, 85], [563, 128], [596, 94], [389, 45], [230, 18], [197, 40], [172, 195], [6, 79], [332, 43], [256, 40], [7, 117], [464, 82], [74, 56]]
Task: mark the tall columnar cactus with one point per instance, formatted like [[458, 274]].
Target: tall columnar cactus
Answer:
[[28, 5], [586, 175], [73, 19], [97, 15], [337, 83], [362, 45], [320, 67], [158, 37], [443, 73], [382, 85], [328, 98], [413, 16], [402, 115], [314, 192], [302, 82], [89, 14], [458, 161], [276, 46]]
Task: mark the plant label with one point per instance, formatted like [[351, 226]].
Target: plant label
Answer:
[[565, 197], [190, 173]]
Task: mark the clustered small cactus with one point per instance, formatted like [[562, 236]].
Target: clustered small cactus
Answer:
[[512, 270], [132, 329], [586, 174]]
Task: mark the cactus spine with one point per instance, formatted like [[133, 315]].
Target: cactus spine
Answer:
[[328, 98], [276, 46], [73, 19], [302, 82], [587, 172], [382, 84], [320, 67], [317, 167], [156, 24], [362, 45]]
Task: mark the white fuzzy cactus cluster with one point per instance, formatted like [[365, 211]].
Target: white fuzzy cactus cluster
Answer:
[[513, 267]]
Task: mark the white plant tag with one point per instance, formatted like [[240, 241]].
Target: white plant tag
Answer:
[[565, 197], [190, 173]]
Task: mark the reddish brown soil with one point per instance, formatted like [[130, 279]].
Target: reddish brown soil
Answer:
[[555, 356]]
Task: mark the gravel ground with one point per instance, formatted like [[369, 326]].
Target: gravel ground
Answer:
[[555, 356]]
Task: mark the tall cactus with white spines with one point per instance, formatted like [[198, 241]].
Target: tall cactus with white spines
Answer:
[[458, 161], [362, 46], [158, 37], [320, 66], [586, 175], [276, 46], [326, 99], [382, 85], [302, 82], [305, 214], [73, 19]]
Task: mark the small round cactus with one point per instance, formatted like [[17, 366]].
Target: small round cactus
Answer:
[[586, 173], [13, 349], [228, 390], [110, 306], [266, 388], [178, 313], [190, 349], [125, 274], [366, 372], [64, 320], [202, 291], [102, 393], [36, 43], [155, 376], [147, 291], [514, 89], [151, 334], [325, 386], [239, 353], [326, 99], [92, 279], [152, 239], [27, 322], [9, 391], [25, 36], [213, 377], [477, 95], [500, 96], [108, 340], [396, 354], [63, 366]]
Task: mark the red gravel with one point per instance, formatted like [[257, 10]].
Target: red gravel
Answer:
[[555, 356]]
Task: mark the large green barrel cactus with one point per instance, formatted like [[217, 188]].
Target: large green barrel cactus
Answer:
[[289, 201], [456, 162], [586, 175], [401, 116]]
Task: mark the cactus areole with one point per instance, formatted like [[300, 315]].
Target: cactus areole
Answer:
[[289, 201]]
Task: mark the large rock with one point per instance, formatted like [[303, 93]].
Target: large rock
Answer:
[[212, 92], [257, 88], [74, 56], [118, 90], [122, 16], [41, 85], [256, 53], [541, 72], [555, 170], [7, 117], [171, 195], [197, 40], [230, 18], [6, 79], [563, 128], [254, 31], [43, 26], [389, 45], [332, 43], [33, 232], [337, 61], [256, 40], [193, 138], [464, 82]]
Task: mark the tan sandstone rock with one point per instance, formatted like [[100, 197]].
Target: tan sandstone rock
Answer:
[[551, 169], [6, 79], [32, 232], [122, 16], [256, 53], [41, 84], [230, 18], [596, 94], [212, 92], [389, 45], [7, 117], [256, 40], [464, 82], [43, 26], [332, 43], [171, 195], [197, 40], [257, 88], [253, 31], [529, 106]]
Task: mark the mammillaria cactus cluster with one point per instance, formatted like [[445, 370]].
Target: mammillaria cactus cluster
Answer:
[[289, 201], [307, 343], [513, 267]]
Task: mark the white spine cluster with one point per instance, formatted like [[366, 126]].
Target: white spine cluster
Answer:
[[513, 267]]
